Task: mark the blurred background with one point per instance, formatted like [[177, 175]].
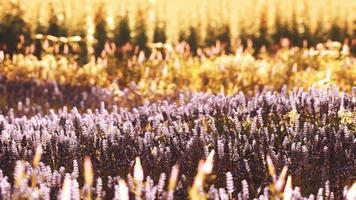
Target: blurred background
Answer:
[[200, 23]]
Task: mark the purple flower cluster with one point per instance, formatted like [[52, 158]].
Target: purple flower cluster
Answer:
[[312, 132], [39, 97]]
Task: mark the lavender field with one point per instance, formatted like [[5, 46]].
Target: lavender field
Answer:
[[140, 100], [310, 134]]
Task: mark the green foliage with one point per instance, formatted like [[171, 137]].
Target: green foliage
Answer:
[[55, 29], [122, 32], [225, 37], [40, 29], [15, 33], [100, 32], [182, 36], [320, 34], [280, 30], [221, 33], [159, 34], [193, 39], [56, 26], [211, 35], [141, 38], [263, 37], [337, 33], [294, 32], [83, 51]]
